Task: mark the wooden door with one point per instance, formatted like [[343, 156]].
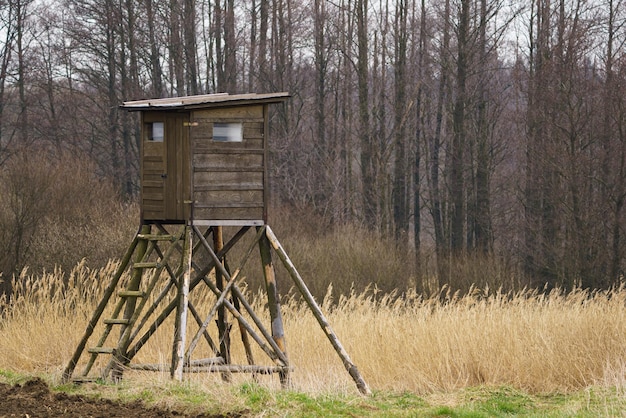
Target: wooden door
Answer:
[[165, 166]]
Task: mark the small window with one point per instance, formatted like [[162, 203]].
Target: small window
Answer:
[[155, 131], [228, 132]]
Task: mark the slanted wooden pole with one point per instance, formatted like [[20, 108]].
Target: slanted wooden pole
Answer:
[[69, 370], [273, 302], [220, 293], [244, 337], [242, 331], [131, 303], [137, 274], [200, 276], [178, 352], [317, 312]]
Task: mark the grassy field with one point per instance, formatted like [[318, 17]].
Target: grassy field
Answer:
[[256, 400], [483, 354]]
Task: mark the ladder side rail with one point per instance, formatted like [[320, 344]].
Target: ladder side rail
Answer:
[[159, 298], [144, 251], [125, 337], [69, 370]]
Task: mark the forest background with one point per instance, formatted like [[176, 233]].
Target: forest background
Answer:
[[437, 143]]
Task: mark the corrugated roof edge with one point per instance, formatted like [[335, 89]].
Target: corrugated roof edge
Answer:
[[205, 100]]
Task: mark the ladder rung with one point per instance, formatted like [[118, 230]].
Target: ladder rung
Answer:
[[130, 294], [146, 265], [101, 350], [116, 321], [157, 237]]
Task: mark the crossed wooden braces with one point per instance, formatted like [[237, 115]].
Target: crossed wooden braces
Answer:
[[133, 308]]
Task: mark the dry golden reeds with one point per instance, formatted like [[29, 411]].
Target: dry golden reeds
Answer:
[[529, 340]]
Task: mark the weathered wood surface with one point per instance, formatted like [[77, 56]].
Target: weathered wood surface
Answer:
[[180, 332], [273, 301], [223, 292], [200, 276], [273, 344], [317, 312], [69, 369]]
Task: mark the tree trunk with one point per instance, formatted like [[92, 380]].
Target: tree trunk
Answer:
[[176, 49], [400, 178], [230, 49], [482, 229], [367, 175], [441, 245], [156, 72], [189, 32], [457, 186]]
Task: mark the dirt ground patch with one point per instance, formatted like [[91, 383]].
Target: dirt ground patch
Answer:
[[34, 399]]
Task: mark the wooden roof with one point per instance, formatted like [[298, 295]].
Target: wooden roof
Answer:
[[205, 101]]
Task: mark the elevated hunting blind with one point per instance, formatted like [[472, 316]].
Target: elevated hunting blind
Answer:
[[204, 168], [204, 158]]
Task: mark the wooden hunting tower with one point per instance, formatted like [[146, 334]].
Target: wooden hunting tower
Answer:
[[203, 167], [204, 158]]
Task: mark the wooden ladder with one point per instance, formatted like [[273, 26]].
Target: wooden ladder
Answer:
[[131, 298]]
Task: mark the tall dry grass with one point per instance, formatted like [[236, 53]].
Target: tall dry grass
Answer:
[[535, 342]]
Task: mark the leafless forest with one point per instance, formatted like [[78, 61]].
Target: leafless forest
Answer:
[[466, 132]]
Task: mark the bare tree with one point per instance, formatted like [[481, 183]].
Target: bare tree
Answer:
[[436, 205], [614, 148], [8, 32], [189, 34], [367, 171], [154, 62], [176, 49], [400, 193]]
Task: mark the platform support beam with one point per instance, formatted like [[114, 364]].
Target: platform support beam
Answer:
[[178, 351], [223, 328], [273, 301], [317, 312]]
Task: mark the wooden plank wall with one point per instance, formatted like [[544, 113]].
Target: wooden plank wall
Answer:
[[229, 177]]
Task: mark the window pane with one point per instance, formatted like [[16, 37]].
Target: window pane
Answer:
[[158, 132], [228, 132], [154, 131]]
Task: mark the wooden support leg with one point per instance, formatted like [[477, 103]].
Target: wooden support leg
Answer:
[[278, 333], [244, 338], [317, 312], [222, 317], [178, 352]]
